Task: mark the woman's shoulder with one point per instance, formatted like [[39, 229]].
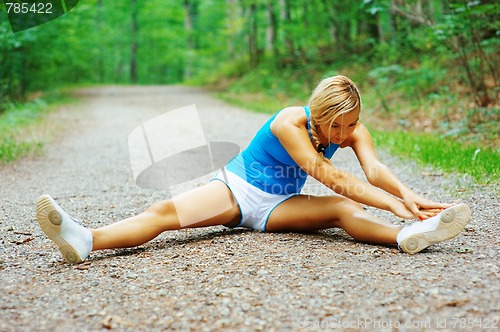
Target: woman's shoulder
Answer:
[[294, 115]]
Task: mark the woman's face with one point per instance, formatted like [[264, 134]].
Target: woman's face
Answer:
[[342, 127]]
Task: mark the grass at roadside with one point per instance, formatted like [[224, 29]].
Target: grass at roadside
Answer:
[[19, 132], [483, 164]]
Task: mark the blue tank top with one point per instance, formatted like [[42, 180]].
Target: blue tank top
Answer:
[[266, 164]]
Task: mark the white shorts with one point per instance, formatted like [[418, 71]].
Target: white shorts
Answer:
[[255, 205]]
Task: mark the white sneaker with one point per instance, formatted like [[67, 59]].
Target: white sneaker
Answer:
[[446, 225], [74, 240]]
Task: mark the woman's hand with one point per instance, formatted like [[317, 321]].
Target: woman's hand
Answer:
[[422, 208], [399, 209]]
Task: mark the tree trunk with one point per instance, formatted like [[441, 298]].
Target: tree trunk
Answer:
[[133, 47], [287, 22], [331, 28], [189, 13], [395, 25], [272, 30], [100, 60], [252, 36], [233, 29], [380, 30]]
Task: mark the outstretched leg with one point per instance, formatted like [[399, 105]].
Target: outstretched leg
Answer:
[[308, 213], [209, 205]]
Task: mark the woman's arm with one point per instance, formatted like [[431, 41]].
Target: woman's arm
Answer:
[[294, 137], [381, 176]]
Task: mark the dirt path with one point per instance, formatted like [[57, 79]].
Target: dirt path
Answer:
[[218, 278]]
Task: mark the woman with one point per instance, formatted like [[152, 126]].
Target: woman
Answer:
[[260, 188]]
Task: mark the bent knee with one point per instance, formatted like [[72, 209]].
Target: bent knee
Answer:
[[346, 210], [348, 206]]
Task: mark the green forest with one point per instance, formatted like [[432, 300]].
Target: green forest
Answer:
[[424, 67]]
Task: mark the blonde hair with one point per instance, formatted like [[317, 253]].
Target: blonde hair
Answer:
[[332, 97]]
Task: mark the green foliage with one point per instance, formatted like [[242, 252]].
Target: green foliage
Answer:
[[470, 30], [268, 88], [415, 61], [11, 149], [19, 135], [94, 42], [13, 120], [419, 84], [12, 59]]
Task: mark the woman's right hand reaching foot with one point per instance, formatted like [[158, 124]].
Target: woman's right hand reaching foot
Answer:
[[400, 210]]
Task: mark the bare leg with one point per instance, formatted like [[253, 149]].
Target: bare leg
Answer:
[[308, 213], [209, 205]]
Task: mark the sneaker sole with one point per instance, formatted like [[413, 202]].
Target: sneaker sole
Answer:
[[50, 221], [453, 221]]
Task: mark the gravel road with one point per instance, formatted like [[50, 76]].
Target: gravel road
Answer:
[[219, 279]]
